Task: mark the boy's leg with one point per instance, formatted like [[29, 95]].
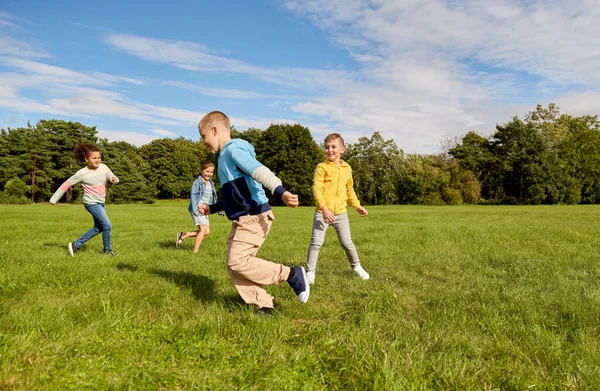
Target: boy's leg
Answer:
[[248, 273], [316, 241], [342, 228]]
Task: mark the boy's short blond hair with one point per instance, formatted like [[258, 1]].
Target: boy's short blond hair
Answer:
[[333, 137], [214, 118]]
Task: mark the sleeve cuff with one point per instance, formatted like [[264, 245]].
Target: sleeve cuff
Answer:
[[214, 208], [278, 192]]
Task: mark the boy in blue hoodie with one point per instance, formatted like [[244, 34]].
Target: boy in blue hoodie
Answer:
[[244, 201]]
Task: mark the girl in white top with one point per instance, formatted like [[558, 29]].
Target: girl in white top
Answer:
[[93, 178]]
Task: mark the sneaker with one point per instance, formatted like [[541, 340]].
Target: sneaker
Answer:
[[265, 311], [362, 273], [299, 284], [179, 239], [310, 277], [110, 253], [72, 248]]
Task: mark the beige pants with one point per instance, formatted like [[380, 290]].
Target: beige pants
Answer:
[[248, 273]]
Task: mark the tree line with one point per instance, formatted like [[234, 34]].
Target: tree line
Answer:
[[545, 158]]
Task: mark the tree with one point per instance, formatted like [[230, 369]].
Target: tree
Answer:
[[581, 153], [375, 168], [173, 165], [125, 162], [476, 155], [292, 154], [532, 169]]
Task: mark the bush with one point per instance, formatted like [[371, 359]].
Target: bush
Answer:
[[16, 188], [452, 196], [18, 200], [432, 199]]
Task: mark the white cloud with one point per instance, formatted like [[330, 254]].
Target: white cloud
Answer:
[[217, 92], [11, 46], [137, 139], [195, 57], [163, 132], [435, 69], [76, 94]]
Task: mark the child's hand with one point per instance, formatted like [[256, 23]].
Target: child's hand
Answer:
[[290, 199], [328, 215], [362, 211], [113, 179], [203, 209]]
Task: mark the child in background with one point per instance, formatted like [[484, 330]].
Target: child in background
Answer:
[[245, 203], [203, 192], [333, 188], [93, 178]]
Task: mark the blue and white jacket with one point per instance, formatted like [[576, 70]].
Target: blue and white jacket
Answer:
[[196, 193], [242, 179]]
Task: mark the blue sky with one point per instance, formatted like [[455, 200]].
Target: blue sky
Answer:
[[418, 72]]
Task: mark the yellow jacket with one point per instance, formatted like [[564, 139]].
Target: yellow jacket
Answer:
[[333, 187]]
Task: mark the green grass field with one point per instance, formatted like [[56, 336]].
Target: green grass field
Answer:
[[460, 298]]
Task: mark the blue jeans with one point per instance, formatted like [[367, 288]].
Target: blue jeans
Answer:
[[101, 224]]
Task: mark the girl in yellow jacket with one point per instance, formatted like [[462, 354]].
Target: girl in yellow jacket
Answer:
[[332, 190]]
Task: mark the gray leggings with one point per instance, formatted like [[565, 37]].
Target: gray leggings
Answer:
[[342, 228]]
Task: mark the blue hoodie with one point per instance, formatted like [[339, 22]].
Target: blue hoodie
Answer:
[[242, 194]]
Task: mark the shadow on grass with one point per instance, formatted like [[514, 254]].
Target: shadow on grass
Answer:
[[57, 245], [202, 287], [167, 244], [127, 267]]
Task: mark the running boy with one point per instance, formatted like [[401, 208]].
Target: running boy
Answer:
[[332, 190], [246, 205]]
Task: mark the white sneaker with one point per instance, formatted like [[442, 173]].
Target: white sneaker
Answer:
[[72, 248], [362, 273], [310, 277]]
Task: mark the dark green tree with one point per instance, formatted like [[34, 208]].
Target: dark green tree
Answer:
[[124, 160], [476, 154], [292, 154], [375, 168], [173, 165]]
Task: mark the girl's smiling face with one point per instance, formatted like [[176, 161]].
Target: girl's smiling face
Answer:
[[208, 172], [93, 160]]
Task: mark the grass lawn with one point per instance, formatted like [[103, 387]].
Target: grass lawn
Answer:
[[460, 298]]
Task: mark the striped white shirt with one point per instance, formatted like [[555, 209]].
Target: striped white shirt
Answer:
[[93, 182]]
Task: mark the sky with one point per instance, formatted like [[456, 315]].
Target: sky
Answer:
[[420, 72]]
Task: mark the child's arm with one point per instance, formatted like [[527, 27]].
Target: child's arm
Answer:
[[73, 180], [353, 199], [317, 189], [194, 200], [110, 177], [248, 164]]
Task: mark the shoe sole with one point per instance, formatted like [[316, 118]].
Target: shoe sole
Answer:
[[177, 244], [303, 296], [70, 247]]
